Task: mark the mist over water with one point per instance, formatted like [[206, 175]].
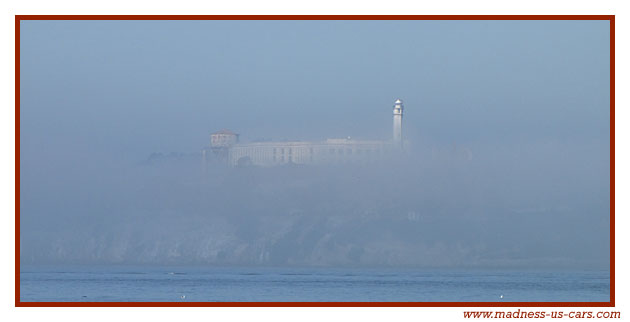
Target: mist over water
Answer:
[[506, 165], [428, 210]]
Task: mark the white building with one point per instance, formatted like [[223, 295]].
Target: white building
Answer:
[[225, 146]]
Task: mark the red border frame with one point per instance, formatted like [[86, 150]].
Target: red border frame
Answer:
[[19, 18]]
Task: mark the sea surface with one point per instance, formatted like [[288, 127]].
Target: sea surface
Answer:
[[203, 284]]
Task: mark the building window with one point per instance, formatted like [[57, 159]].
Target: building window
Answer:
[[290, 151], [349, 151], [331, 151], [340, 151]]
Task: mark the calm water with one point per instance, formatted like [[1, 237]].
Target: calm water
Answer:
[[174, 284]]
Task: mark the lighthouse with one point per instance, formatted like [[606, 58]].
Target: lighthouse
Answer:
[[398, 114]]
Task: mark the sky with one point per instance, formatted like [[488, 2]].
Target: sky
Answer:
[[530, 99]]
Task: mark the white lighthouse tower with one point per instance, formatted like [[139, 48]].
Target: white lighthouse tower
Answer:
[[398, 114]]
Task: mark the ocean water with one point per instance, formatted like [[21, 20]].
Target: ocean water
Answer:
[[202, 284]]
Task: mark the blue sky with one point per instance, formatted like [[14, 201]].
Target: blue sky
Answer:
[[143, 86]]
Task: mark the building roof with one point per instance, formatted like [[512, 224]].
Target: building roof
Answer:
[[225, 131], [332, 143]]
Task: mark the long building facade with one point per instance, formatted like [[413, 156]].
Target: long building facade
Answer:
[[225, 147]]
